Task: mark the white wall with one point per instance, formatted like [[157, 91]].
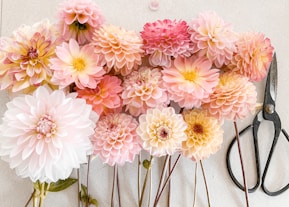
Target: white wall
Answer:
[[269, 17]]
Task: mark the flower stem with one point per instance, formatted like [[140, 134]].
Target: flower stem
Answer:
[[206, 184], [195, 188], [42, 194], [242, 164], [166, 181], [145, 183], [138, 177], [117, 186], [169, 184], [162, 175], [79, 187], [87, 181], [30, 198]]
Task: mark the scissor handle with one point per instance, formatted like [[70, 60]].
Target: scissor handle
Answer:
[[255, 127], [277, 126]]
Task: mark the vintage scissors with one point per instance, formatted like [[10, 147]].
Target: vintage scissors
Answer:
[[268, 113]]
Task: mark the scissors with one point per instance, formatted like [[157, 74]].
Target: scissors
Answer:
[[266, 113]]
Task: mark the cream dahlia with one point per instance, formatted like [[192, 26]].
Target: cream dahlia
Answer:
[[161, 131], [106, 97], [122, 49], [205, 135], [45, 135], [164, 39], [26, 57], [213, 38], [144, 89], [253, 56], [78, 19], [234, 97], [76, 64], [115, 139], [190, 80]]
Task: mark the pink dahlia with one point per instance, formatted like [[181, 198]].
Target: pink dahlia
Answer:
[[105, 97], [213, 38], [76, 64], [115, 139], [190, 80], [79, 19], [164, 39], [26, 54], [45, 135], [161, 131], [234, 97], [253, 56], [122, 49], [144, 89], [205, 135]]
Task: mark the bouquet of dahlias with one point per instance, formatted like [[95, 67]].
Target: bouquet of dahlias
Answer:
[[83, 89]]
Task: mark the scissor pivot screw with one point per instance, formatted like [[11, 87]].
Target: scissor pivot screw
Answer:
[[269, 108]]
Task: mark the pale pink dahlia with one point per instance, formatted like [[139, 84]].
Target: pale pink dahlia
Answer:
[[234, 97], [253, 56], [106, 97], [144, 89], [161, 131], [79, 19], [164, 39], [190, 80], [205, 135], [213, 38], [26, 54], [76, 64], [122, 49], [45, 135], [115, 139]]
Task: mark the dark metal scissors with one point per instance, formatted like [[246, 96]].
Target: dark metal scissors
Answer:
[[266, 113]]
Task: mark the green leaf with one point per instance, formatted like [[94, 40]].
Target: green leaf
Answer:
[[84, 197], [61, 184]]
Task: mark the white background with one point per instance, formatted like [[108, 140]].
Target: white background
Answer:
[[267, 16]]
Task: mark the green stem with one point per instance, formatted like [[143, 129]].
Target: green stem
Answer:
[[87, 181], [30, 198], [42, 194], [145, 183]]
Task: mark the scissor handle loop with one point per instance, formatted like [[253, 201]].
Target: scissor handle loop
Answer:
[[257, 160], [277, 125]]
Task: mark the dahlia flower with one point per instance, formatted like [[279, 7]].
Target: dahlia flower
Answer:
[[204, 133], [105, 97], [115, 139], [234, 97], [213, 38], [76, 64], [164, 39], [26, 57], [253, 56], [78, 19], [161, 131], [122, 49], [190, 80], [144, 89], [45, 135]]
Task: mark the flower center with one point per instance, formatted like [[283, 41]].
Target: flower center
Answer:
[[190, 76], [198, 129], [32, 53], [80, 26], [46, 127], [79, 64], [163, 133]]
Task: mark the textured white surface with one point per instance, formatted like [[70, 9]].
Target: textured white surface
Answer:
[[269, 17]]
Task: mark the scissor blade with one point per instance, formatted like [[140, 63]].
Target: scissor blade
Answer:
[[272, 79]]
